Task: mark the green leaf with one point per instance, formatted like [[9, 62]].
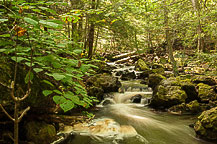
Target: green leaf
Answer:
[[67, 105], [59, 99], [5, 35], [57, 91], [3, 20], [2, 50], [19, 59], [29, 75], [50, 24], [30, 21], [47, 82], [47, 92], [58, 76], [37, 70]]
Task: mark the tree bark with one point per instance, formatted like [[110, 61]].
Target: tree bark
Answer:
[[91, 34], [169, 39]]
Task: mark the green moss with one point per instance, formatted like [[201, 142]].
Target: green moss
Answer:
[[141, 65], [206, 126], [206, 92], [40, 132]]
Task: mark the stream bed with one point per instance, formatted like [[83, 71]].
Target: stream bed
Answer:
[[125, 118]]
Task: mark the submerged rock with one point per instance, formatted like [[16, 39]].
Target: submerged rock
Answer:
[[40, 132], [206, 126]]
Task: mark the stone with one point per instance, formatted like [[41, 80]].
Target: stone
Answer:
[[190, 90], [193, 107], [102, 83], [143, 74], [165, 97], [206, 126], [128, 75], [154, 80], [136, 99], [206, 93], [141, 65], [40, 132], [204, 79]]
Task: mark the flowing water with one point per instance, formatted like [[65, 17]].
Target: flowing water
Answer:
[[120, 121]]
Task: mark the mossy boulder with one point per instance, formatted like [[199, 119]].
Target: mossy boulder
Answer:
[[154, 80], [128, 75], [206, 93], [206, 126], [102, 83], [165, 97], [40, 132], [193, 107], [204, 79], [158, 71], [158, 68], [190, 90], [103, 67], [141, 65]]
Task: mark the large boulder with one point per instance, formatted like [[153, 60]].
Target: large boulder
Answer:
[[127, 75], [102, 83], [168, 93], [165, 97], [206, 126], [141, 65], [206, 93], [154, 80], [204, 79], [40, 132], [190, 90], [193, 107]]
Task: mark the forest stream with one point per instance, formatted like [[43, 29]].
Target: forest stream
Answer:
[[125, 118]]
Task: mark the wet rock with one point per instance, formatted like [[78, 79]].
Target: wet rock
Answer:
[[193, 107], [178, 108], [165, 97], [128, 75], [102, 83], [206, 126], [96, 91], [204, 79], [141, 65], [40, 132], [107, 102], [206, 93], [154, 80], [136, 99], [143, 74]]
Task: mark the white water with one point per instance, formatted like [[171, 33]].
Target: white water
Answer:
[[122, 122]]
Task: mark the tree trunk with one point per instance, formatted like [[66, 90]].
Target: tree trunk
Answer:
[[200, 41], [91, 34], [169, 40]]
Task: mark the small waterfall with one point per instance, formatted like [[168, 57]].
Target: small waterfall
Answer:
[[124, 118]]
